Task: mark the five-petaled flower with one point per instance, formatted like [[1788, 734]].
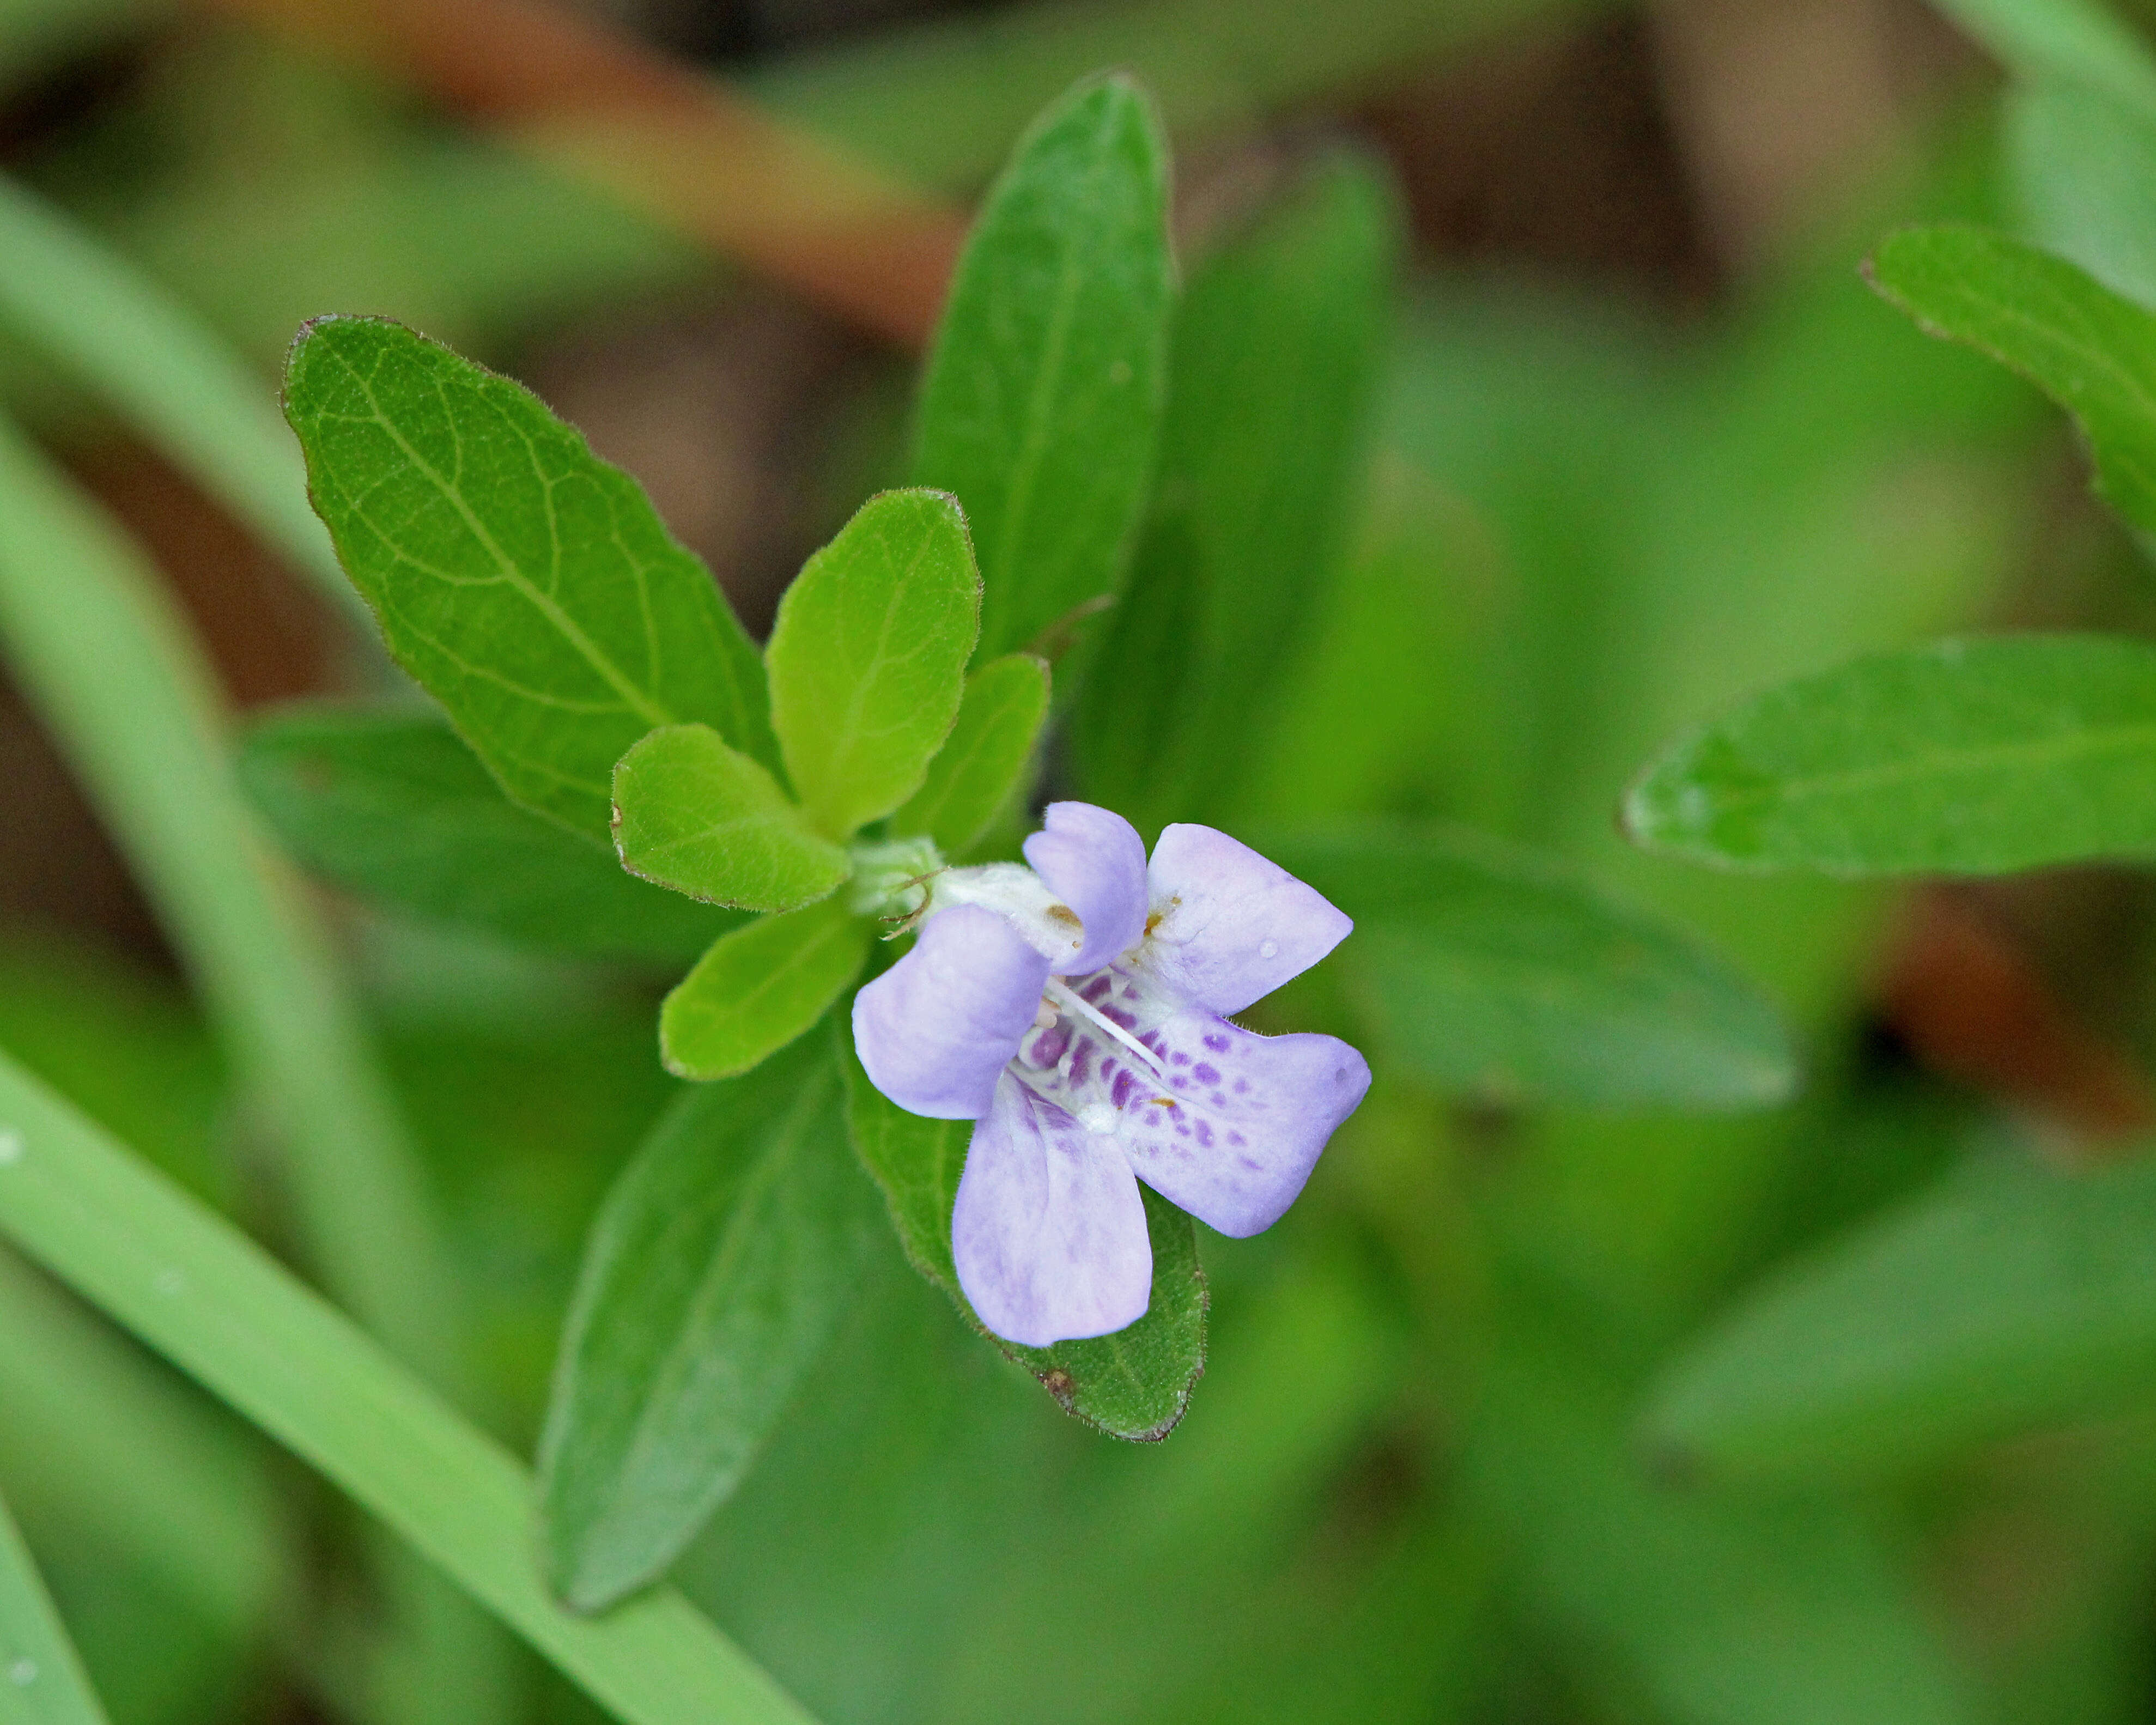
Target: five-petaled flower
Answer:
[[1076, 1010]]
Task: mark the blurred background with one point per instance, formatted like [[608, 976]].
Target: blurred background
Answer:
[[1644, 443]]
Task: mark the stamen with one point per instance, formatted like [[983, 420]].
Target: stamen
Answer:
[[1071, 1003]]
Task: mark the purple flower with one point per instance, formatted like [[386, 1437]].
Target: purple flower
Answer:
[[1076, 1009]]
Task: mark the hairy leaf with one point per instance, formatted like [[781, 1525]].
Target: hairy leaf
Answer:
[[717, 1270], [530, 585], [868, 657], [704, 818]]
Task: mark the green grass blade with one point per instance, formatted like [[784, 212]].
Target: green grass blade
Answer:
[[42, 1681], [112, 670], [118, 331], [202, 1294]]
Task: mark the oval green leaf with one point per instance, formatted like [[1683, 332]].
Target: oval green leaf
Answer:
[[703, 819], [2012, 1296], [1494, 971], [1042, 401], [389, 804], [759, 987], [1134, 1384], [530, 585], [718, 1268], [2091, 350], [980, 769], [868, 657], [1974, 757]]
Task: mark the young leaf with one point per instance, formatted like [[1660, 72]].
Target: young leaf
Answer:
[[1275, 352], [868, 657], [2011, 1297], [2089, 349], [705, 819], [1489, 969], [194, 1288], [389, 804], [1042, 396], [759, 987], [979, 768], [529, 585], [718, 1267], [1972, 757], [1133, 1384]]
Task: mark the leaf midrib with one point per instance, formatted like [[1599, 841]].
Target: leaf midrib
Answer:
[[636, 700]]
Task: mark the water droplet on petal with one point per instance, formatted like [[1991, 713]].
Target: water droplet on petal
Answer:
[[1097, 1117], [1271, 949], [22, 1673]]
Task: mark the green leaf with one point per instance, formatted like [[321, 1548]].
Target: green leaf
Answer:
[[1974, 757], [1133, 1384], [389, 804], [759, 987], [2011, 1297], [868, 656], [529, 585], [1275, 353], [42, 1680], [2089, 349], [198, 1290], [981, 766], [704, 818], [719, 1264], [1491, 969], [1042, 401]]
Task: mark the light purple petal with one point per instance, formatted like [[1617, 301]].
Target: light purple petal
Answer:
[[1233, 1130], [1049, 1231], [1093, 860], [936, 1029], [1232, 926]]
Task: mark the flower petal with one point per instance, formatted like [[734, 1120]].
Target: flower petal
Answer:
[[1093, 859], [1232, 1131], [1049, 1231], [936, 1030], [1232, 926]]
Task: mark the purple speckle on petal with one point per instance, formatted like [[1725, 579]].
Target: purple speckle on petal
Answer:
[[1204, 1072], [1120, 1092], [1180, 1059], [1218, 1044], [1205, 1134]]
